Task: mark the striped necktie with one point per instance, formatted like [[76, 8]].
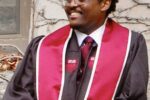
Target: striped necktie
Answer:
[[85, 48], [85, 52]]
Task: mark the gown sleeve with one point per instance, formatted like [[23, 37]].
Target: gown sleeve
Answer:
[[22, 84], [134, 81]]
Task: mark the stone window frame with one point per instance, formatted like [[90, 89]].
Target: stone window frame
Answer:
[[21, 39]]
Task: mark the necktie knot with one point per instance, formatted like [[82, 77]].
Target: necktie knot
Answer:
[[88, 40]]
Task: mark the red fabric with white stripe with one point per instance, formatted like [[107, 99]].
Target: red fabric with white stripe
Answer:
[[50, 64], [110, 62], [108, 68]]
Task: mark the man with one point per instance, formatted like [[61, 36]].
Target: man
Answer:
[[93, 58]]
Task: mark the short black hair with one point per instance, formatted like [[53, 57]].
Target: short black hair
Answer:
[[112, 6]]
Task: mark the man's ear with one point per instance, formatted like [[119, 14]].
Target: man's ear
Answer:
[[105, 4]]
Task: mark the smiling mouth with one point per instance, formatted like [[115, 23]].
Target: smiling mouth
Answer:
[[74, 14]]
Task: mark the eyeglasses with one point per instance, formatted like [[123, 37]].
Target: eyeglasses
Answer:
[[69, 1]]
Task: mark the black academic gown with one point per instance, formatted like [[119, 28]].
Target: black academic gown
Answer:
[[133, 84]]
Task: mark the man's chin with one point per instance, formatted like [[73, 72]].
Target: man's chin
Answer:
[[75, 26], [78, 25]]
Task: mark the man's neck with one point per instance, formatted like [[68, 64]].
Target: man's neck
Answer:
[[89, 31]]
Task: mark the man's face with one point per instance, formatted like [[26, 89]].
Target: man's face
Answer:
[[84, 15]]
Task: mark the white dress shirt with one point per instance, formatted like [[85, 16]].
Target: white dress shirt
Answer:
[[96, 35]]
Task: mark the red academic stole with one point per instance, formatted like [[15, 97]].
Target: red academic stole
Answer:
[[108, 69]]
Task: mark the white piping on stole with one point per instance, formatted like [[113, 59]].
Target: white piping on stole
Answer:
[[63, 65], [37, 67], [124, 63]]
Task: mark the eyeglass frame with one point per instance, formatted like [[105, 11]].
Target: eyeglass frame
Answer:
[[64, 2]]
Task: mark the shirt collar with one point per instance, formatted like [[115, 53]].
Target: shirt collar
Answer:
[[96, 35]]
